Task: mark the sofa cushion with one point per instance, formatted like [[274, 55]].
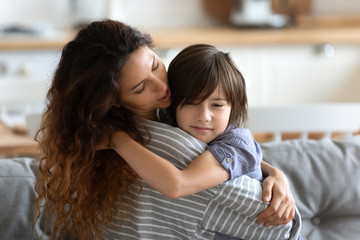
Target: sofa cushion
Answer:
[[17, 199], [324, 176]]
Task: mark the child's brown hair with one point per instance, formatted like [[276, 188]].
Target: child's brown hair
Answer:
[[195, 73]]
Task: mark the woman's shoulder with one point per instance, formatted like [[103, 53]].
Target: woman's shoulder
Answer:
[[173, 144], [170, 133]]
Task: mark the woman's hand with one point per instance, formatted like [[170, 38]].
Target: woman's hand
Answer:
[[276, 189]]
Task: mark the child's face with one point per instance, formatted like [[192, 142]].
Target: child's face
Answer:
[[207, 120]]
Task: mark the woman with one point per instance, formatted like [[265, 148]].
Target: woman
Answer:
[[107, 66]]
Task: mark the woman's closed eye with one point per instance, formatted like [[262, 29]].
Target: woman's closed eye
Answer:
[[140, 88], [155, 63], [155, 66]]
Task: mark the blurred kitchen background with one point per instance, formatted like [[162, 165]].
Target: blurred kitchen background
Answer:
[[290, 51]]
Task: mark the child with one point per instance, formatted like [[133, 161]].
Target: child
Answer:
[[209, 102]]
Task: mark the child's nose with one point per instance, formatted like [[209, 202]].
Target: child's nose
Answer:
[[204, 114]]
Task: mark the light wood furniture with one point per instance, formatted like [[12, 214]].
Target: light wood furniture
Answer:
[[12, 144], [227, 36]]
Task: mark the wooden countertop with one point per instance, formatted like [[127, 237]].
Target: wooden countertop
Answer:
[[31, 43], [218, 36], [256, 37], [333, 29], [12, 144]]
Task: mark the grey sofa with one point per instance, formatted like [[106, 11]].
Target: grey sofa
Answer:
[[323, 175]]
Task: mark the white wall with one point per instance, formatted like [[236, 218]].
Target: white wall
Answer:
[[160, 13], [147, 13], [38, 12], [337, 7]]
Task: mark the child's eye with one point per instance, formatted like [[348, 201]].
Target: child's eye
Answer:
[[218, 105]]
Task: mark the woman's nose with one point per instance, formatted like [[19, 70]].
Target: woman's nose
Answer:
[[160, 84]]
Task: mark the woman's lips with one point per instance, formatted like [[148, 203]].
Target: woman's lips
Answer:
[[166, 97]]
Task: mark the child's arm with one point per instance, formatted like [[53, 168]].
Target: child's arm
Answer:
[[203, 173]]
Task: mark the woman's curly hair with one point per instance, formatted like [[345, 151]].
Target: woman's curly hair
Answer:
[[79, 183]]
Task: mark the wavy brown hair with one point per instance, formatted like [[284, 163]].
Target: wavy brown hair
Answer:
[[79, 183]]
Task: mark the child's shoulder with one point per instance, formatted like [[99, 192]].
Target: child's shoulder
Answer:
[[241, 136], [238, 131]]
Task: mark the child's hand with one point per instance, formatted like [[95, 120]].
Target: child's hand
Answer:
[[281, 210]]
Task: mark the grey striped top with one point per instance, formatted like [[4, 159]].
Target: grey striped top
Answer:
[[230, 208]]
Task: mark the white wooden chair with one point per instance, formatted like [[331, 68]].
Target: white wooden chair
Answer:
[[304, 119]]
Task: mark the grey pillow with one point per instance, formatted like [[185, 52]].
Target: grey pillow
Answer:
[[324, 176], [17, 199]]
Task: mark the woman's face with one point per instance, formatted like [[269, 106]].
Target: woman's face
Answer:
[[144, 86]]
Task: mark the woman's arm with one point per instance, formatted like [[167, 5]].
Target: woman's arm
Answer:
[[276, 190], [202, 173]]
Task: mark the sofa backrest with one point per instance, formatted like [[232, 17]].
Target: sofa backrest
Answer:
[[324, 176]]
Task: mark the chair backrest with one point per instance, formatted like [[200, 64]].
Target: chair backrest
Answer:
[[326, 118]]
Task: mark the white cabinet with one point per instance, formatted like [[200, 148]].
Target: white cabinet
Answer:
[[288, 75], [296, 74]]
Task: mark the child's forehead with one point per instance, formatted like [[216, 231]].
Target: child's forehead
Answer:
[[216, 94]]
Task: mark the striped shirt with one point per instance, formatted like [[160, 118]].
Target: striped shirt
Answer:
[[230, 208]]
